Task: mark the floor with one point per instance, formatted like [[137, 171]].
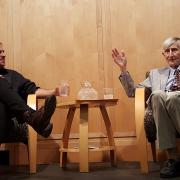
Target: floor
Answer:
[[98, 171]]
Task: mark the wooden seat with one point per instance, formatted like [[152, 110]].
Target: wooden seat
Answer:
[[142, 142], [32, 137]]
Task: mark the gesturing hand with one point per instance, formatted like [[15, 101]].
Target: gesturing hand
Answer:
[[119, 59]]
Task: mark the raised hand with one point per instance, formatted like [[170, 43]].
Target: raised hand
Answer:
[[119, 59]]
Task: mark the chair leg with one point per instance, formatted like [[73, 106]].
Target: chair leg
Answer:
[[158, 155], [153, 149], [32, 149], [161, 156], [143, 158]]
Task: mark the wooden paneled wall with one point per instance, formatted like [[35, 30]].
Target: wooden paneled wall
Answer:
[[53, 40]]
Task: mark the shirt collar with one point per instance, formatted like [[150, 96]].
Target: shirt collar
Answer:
[[173, 70]]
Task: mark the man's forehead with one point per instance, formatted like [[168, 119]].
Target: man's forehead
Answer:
[[174, 45]]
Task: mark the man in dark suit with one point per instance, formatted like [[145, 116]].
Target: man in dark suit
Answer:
[[14, 89], [164, 100]]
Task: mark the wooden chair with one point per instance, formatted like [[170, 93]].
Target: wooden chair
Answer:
[[32, 137], [140, 132], [142, 142]]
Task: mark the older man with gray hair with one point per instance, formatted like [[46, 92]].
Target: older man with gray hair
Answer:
[[164, 100]]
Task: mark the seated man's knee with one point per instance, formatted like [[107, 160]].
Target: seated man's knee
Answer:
[[158, 95], [173, 97]]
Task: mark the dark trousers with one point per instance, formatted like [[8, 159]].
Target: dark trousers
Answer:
[[4, 122], [11, 105]]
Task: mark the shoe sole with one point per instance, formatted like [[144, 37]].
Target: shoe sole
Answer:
[[176, 174], [49, 108], [168, 176]]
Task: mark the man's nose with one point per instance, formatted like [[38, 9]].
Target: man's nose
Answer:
[[170, 52]]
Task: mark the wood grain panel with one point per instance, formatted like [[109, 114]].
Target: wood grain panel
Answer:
[[53, 40], [123, 33]]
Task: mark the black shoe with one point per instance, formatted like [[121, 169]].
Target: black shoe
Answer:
[[170, 169], [18, 132], [47, 131], [40, 119]]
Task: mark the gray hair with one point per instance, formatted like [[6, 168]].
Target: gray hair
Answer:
[[170, 41]]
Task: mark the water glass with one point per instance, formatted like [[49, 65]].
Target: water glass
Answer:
[[108, 93]]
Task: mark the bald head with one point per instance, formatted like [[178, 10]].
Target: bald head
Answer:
[[2, 56]]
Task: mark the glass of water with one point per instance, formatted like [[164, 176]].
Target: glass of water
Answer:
[[64, 88], [108, 93]]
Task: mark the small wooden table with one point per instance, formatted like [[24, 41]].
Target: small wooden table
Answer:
[[83, 150]]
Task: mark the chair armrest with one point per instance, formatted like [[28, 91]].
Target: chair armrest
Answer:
[[140, 132], [31, 101], [32, 136], [139, 110]]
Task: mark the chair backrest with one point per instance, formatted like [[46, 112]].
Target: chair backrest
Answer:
[[148, 91]]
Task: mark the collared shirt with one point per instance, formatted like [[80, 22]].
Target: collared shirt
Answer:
[[171, 78]]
